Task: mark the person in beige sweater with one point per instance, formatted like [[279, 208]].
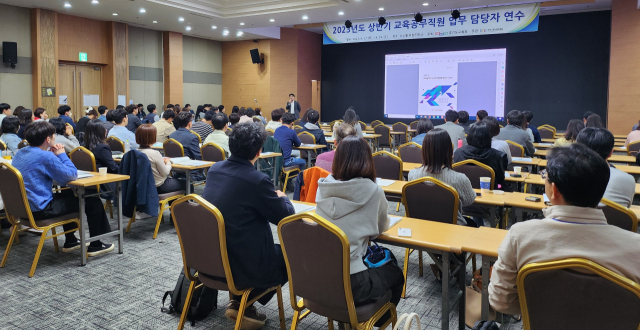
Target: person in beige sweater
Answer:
[[161, 167]]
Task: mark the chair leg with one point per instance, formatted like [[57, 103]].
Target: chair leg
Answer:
[[187, 303], [398, 208], [131, 220], [110, 206], [330, 323], [295, 320], [420, 268], [14, 234], [55, 240], [281, 308], [404, 272], [243, 306], [38, 251], [155, 232], [473, 261]]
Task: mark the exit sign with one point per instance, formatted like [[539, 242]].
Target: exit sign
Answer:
[[82, 57]]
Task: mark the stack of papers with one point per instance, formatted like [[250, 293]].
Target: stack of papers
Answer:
[[266, 153], [546, 144], [521, 159], [180, 160], [307, 145], [187, 161], [118, 156], [84, 174], [300, 208], [384, 182], [393, 220]]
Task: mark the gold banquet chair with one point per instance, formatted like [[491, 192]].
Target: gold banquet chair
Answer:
[[84, 160]]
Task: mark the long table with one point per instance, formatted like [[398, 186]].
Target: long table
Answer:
[[613, 158]]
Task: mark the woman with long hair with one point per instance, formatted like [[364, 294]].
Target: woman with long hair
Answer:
[[423, 127], [573, 129], [95, 135], [26, 116], [352, 119]]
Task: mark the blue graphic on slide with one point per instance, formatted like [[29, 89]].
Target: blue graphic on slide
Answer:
[[431, 94]]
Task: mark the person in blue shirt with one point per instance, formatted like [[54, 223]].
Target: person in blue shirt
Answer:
[[43, 162], [120, 130], [424, 126], [188, 140], [288, 138], [9, 128], [102, 110], [528, 116], [64, 112]]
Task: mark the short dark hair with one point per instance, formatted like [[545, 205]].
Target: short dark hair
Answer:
[[249, 112], [151, 107], [258, 112], [350, 117], [437, 151], [131, 107], [288, 118], [119, 106], [102, 109], [597, 139], [10, 125], [235, 109], [528, 116], [587, 114], [313, 116], [187, 105], [246, 140], [493, 124], [168, 114], [276, 114], [25, 117], [234, 118], [594, 121], [515, 118], [221, 107], [463, 116], [62, 110], [118, 115], [170, 106], [353, 159], [93, 112], [94, 134], [424, 126], [481, 114], [294, 95], [38, 112], [38, 131], [183, 119], [209, 115], [4, 106], [573, 129], [59, 124], [219, 120], [140, 105], [580, 174], [480, 135], [146, 135], [451, 116], [241, 111], [109, 115]]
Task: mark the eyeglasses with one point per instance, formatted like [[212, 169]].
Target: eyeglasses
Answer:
[[543, 174]]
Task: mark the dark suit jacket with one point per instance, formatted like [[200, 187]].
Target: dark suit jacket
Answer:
[[140, 190], [248, 202], [493, 158], [104, 158], [189, 142], [134, 122], [296, 107]]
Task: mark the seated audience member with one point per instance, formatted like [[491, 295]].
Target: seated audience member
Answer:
[[165, 126], [586, 116], [633, 136], [312, 127], [247, 116], [5, 110], [235, 109], [219, 135], [9, 127], [189, 141], [64, 136], [325, 159], [141, 115], [102, 110], [121, 119], [259, 116], [134, 121], [514, 132], [235, 187], [594, 121], [456, 133], [122, 106], [160, 166], [203, 127], [234, 118], [350, 199], [480, 115], [108, 124], [220, 108], [288, 138], [152, 117], [437, 156], [350, 117], [463, 120], [479, 148], [82, 122], [423, 127], [573, 129], [25, 117], [575, 180], [274, 123], [64, 112], [528, 117], [40, 114], [200, 112], [622, 186], [44, 167], [495, 143], [94, 140]]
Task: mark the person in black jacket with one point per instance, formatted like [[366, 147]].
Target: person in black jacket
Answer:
[[248, 202], [479, 149], [312, 127], [134, 121], [94, 140]]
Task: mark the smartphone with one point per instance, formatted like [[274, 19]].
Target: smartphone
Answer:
[[404, 232], [532, 199], [479, 194], [516, 175]]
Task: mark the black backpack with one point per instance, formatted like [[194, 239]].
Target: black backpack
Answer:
[[203, 300]]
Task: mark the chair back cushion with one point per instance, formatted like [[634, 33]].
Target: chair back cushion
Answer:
[[306, 139], [211, 152], [387, 167], [616, 216], [474, 173], [400, 127], [546, 133], [115, 145], [515, 150], [23, 144], [363, 126], [384, 140], [430, 201], [173, 148], [410, 153], [414, 125], [270, 132], [83, 159], [13, 192], [634, 148]]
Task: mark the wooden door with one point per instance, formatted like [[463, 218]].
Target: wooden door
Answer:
[[90, 83], [66, 90]]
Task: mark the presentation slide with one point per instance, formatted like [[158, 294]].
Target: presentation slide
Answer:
[[426, 85]]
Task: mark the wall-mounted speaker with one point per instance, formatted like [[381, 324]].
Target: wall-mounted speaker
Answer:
[[10, 53], [255, 57]]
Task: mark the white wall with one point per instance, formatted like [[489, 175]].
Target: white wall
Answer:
[[145, 66], [15, 84], [202, 65]]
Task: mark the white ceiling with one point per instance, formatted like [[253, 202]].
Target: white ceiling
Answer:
[[228, 15]]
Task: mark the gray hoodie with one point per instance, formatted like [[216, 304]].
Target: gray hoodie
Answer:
[[359, 208]]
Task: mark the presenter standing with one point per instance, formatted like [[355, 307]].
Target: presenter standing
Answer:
[[293, 106]]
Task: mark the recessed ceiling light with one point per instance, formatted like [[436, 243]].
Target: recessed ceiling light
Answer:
[[240, 33], [67, 5], [241, 23], [381, 8], [142, 11], [305, 17], [188, 28], [95, 2], [214, 27], [181, 19], [225, 32], [272, 20], [154, 22], [115, 14], [425, 4], [341, 13]]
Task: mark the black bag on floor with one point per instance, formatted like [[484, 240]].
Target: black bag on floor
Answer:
[[203, 301]]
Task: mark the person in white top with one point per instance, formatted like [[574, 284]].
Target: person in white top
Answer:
[[274, 123], [161, 167], [5, 110], [497, 144]]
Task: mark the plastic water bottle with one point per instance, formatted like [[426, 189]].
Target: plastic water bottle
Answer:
[[7, 154], [127, 146]]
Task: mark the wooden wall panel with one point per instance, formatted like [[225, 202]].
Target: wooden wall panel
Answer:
[[173, 68], [44, 57], [284, 59], [624, 70], [309, 65], [79, 34], [115, 80]]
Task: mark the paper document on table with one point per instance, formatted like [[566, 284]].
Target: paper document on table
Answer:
[[367, 135], [157, 145], [300, 208], [384, 182], [84, 174], [117, 156], [622, 148], [546, 144], [506, 174], [180, 160], [393, 220], [266, 153], [330, 139], [307, 145], [521, 159], [546, 199]]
